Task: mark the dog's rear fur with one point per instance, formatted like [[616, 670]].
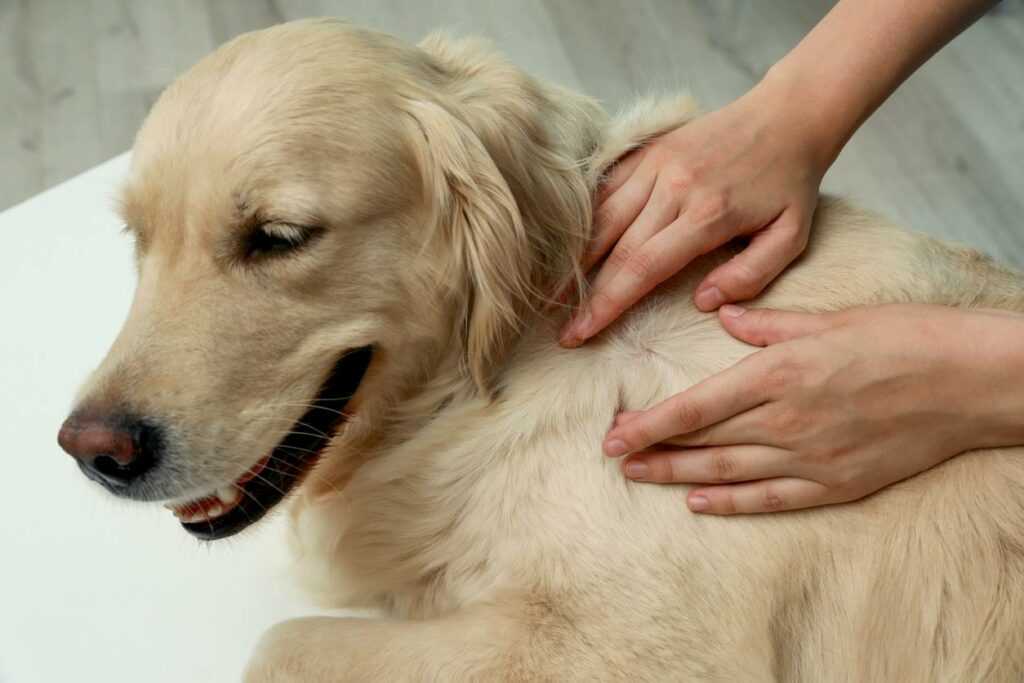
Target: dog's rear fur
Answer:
[[468, 497]]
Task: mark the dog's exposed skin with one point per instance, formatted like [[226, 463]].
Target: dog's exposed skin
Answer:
[[468, 496]]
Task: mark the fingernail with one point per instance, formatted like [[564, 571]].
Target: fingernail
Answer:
[[573, 333], [637, 469], [732, 311], [567, 338], [698, 503], [708, 299], [615, 448]]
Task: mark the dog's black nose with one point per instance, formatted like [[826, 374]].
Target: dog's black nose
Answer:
[[114, 450]]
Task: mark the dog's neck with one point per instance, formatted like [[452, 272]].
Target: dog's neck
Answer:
[[422, 380], [430, 367]]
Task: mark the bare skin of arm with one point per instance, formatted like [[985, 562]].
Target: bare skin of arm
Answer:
[[753, 168]]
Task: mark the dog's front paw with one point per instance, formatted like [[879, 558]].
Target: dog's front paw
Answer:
[[282, 655]]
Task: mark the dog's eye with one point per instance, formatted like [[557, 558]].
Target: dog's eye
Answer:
[[273, 239]]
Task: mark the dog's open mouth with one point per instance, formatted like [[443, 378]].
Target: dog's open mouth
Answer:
[[235, 506]]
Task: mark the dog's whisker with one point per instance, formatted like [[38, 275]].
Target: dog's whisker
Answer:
[[299, 423], [289, 468], [309, 426], [309, 406], [318, 405], [294, 432], [258, 475], [253, 499], [298, 449], [312, 474]]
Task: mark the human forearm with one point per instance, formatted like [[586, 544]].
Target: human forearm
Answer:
[[754, 167], [856, 57]]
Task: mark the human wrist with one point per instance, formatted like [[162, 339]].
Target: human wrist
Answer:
[[991, 362], [1009, 393], [798, 102]]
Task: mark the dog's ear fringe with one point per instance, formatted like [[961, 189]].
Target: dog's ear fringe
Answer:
[[481, 244], [511, 212]]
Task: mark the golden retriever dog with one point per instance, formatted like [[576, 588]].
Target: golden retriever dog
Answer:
[[346, 249]]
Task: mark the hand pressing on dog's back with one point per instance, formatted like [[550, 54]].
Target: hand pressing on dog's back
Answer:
[[739, 171], [835, 407], [754, 167]]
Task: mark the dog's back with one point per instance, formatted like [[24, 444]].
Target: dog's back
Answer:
[[512, 501]]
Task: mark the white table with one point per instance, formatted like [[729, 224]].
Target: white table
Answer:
[[93, 588]]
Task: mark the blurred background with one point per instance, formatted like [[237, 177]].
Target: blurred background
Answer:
[[944, 155]]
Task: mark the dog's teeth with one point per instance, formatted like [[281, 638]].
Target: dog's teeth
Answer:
[[213, 505], [228, 495]]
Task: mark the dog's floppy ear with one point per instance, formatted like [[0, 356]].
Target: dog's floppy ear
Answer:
[[480, 248]]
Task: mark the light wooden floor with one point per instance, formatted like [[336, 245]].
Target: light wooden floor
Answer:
[[944, 155]]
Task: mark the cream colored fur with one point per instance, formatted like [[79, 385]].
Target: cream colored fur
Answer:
[[468, 499]]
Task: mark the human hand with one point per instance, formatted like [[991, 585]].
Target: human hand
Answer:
[[754, 167], [751, 168], [838, 406]]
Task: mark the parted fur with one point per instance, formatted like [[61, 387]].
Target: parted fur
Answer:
[[468, 498]]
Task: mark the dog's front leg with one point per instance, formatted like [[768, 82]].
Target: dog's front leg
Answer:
[[469, 646]]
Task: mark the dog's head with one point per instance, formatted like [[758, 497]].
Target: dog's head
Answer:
[[323, 217]]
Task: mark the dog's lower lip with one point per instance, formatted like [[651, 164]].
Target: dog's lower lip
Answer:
[[262, 487], [219, 501]]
